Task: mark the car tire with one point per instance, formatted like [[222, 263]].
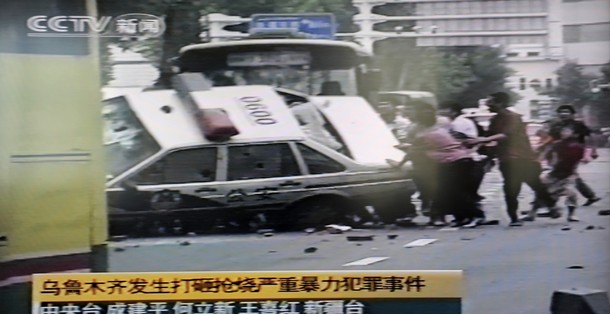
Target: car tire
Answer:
[[321, 211]]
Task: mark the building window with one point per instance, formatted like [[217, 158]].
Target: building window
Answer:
[[533, 53], [571, 33], [512, 54], [549, 83], [586, 33], [521, 83], [535, 84]]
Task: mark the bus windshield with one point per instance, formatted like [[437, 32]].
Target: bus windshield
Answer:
[[329, 69], [299, 78]]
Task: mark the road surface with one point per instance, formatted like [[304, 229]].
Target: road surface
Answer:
[[507, 270]]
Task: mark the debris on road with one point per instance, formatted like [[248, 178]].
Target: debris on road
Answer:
[[466, 238], [449, 229], [118, 238], [185, 243], [575, 267], [337, 229], [310, 249], [566, 228], [392, 236], [590, 228], [360, 238]]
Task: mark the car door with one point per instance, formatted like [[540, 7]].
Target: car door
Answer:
[[183, 179], [261, 176], [325, 173]]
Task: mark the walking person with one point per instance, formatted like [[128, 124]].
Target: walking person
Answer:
[[566, 119], [517, 161], [564, 156]]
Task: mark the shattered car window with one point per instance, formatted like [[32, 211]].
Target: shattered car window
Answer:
[[126, 141]]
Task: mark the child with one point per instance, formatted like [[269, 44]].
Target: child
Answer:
[[564, 156]]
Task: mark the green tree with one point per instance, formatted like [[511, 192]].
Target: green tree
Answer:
[[572, 86], [457, 74], [601, 99], [489, 74]]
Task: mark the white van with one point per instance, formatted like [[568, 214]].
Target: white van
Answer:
[[166, 168]]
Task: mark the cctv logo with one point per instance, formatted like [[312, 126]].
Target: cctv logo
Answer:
[[68, 24], [127, 25]]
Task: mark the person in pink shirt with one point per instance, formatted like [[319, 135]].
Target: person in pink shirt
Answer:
[[452, 162]]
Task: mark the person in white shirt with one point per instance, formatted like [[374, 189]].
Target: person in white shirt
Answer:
[[461, 124], [463, 128]]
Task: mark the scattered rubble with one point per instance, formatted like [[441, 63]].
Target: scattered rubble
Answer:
[[310, 249], [575, 267], [360, 238], [310, 230], [118, 238], [337, 229]]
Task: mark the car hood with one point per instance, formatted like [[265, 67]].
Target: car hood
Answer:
[[366, 135]]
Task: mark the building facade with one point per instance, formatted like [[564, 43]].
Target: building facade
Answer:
[[586, 33], [527, 31]]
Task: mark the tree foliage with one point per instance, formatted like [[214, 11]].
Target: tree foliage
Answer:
[[461, 75], [572, 85], [574, 88]]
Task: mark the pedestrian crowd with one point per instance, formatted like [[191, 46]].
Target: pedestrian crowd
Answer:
[[450, 154]]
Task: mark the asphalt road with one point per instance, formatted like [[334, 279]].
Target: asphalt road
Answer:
[[507, 270]]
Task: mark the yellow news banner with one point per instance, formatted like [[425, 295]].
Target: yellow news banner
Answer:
[[276, 285]]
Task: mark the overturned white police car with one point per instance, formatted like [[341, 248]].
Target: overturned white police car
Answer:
[[238, 141], [242, 154]]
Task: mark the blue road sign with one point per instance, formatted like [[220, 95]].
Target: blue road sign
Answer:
[[311, 25]]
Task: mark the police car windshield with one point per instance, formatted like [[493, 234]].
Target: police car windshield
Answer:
[[126, 141]]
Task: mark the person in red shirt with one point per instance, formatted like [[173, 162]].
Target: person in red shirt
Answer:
[[517, 161], [566, 119], [564, 156]]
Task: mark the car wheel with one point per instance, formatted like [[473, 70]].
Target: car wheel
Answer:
[[319, 212]]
